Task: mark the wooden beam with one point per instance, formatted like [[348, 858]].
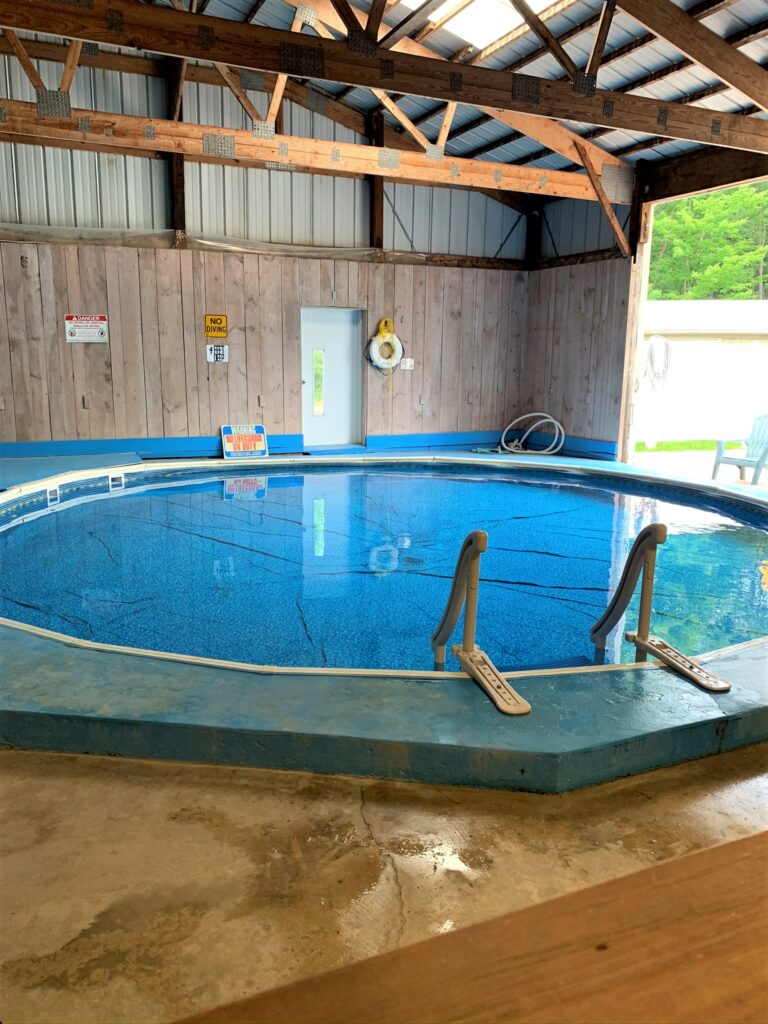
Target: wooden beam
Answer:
[[70, 65], [403, 118], [415, 20], [703, 171], [24, 59], [232, 80], [445, 127], [699, 43], [289, 152], [546, 36], [605, 202], [601, 37]]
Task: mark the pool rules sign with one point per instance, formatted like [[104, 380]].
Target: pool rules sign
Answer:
[[79, 327]]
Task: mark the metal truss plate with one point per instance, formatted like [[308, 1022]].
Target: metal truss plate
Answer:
[[302, 61], [218, 145], [661, 117], [307, 15], [3, 115], [435, 152], [115, 20], [389, 158], [526, 88], [90, 50], [282, 148], [498, 176], [387, 68], [206, 37], [149, 131], [618, 183], [584, 84], [455, 170], [252, 80], [273, 165], [336, 155], [83, 124], [53, 103], [608, 108], [360, 42], [716, 125], [264, 129]]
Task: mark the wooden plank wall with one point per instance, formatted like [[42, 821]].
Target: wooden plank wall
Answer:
[[575, 349], [464, 328]]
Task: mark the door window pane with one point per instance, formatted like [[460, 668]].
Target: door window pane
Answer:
[[318, 382]]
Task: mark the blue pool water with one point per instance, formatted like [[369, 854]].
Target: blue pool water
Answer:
[[352, 567]]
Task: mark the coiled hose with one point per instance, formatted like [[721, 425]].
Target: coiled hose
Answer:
[[541, 421]]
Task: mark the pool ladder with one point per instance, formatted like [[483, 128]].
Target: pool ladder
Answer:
[[642, 558], [475, 662]]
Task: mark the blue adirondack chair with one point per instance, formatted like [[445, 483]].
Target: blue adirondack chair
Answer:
[[755, 457]]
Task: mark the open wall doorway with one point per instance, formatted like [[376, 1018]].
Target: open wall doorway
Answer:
[[701, 358], [331, 376]]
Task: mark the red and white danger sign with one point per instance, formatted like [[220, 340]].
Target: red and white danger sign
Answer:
[[80, 327]]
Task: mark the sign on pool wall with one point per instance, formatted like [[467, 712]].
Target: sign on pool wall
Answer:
[[244, 441], [78, 327]]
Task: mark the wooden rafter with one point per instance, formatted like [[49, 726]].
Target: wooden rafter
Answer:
[[347, 15], [410, 23], [699, 43], [196, 141], [303, 95], [698, 11], [24, 59], [280, 84], [70, 65], [445, 127], [376, 13], [546, 36], [605, 202], [542, 129], [232, 79], [601, 37], [403, 118]]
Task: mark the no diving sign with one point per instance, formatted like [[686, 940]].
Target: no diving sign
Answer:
[[215, 325], [78, 327]]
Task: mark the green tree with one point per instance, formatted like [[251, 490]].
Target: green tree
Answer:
[[713, 246]]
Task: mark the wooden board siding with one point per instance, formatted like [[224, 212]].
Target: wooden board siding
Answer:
[[575, 346], [463, 327]]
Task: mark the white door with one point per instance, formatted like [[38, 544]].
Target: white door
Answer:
[[331, 376]]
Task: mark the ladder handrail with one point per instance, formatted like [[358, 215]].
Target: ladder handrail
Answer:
[[642, 555], [474, 545]]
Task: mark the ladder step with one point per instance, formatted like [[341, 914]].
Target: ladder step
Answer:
[[680, 663], [479, 666]]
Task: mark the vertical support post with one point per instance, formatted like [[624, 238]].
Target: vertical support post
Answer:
[[178, 200], [470, 607], [376, 187], [646, 600]]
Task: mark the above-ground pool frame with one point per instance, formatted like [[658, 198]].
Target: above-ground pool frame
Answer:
[[476, 752]]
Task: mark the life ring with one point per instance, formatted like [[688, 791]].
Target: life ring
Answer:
[[385, 350]]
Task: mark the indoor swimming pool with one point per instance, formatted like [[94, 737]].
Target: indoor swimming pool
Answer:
[[349, 566]]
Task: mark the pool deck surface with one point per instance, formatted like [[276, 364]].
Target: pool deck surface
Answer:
[[586, 726]]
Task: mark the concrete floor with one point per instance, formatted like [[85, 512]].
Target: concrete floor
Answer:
[[141, 891]]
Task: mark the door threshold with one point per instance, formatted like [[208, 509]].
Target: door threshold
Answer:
[[334, 449]]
